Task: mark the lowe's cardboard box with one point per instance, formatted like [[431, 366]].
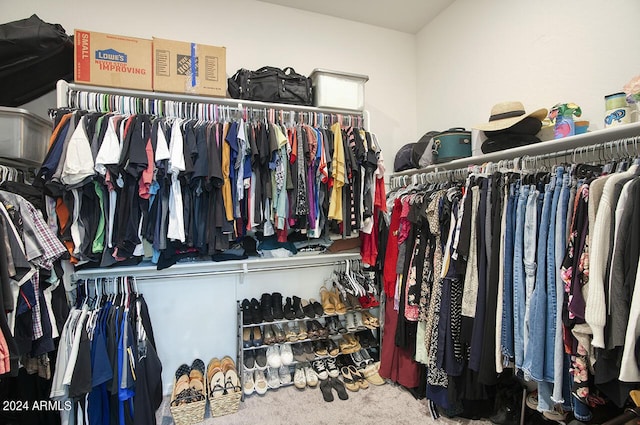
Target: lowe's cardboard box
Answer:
[[113, 60], [181, 67]]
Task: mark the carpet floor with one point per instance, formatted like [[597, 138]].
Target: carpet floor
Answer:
[[385, 404]]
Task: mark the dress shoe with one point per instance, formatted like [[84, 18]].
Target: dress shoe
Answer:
[[276, 306], [257, 336], [247, 338]]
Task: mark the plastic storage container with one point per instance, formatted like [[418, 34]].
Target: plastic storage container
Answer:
[[340, 90], [23, 135]]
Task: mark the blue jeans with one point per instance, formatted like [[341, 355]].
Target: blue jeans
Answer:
[[508, 276], [552, 293], [529, 260], [533, 366], [519, 290], [565, 203]]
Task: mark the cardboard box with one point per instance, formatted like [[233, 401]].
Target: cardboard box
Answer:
[[181, 67], [113, 60]]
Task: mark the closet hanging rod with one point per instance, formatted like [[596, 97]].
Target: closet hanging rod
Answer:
[[604, 151], [208, 268], [548, 147], [158, 276], [64, 87]]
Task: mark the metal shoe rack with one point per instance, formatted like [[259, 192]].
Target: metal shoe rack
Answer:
[[377, 333]]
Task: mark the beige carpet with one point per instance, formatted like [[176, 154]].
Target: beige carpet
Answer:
[[386, 404]]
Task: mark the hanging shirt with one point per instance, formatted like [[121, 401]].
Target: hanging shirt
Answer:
[[176, 165], [338, 174]]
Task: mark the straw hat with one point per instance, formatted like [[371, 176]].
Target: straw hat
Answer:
[[506, 114]]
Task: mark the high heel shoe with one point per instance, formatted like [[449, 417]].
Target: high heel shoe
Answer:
[[340, 307]]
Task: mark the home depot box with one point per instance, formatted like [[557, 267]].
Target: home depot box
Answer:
[[113, 60], [181, 67]]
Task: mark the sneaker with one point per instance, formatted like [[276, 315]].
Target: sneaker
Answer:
[[273, 378], [273, 356], [320, 369], [260, 382], [261, 358], [332, 367], [249, 360], [248, 385], [285, 375], [310, 375], [299, 378], [286, 354]]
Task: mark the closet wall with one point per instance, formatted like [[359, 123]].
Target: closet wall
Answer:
[[257, 34], [476, 54]]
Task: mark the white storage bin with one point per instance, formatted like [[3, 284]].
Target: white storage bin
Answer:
[[23, 135], [340, 90]]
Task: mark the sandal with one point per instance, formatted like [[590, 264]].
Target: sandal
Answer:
[[279, 333], [232, 382], [216, 385], [339, 387], [353, 301], [303, 332], [348, 379], [327, 301], [214, 367], [369, 320], [325, 388], [340, 307], [317, 307], [358, 377]]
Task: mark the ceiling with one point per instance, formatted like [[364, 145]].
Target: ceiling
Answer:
[[408, 16]]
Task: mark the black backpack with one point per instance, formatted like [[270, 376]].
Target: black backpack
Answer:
[[403, 160], [34, 55]]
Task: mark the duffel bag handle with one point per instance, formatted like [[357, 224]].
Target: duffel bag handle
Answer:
[[291, 72]]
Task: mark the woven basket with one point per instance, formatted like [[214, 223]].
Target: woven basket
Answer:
[[225, 405], [187, 413]]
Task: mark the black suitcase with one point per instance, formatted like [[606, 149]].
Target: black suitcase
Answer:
[[34, 55]]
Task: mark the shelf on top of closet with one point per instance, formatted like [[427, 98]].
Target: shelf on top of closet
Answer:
[[552, 146]]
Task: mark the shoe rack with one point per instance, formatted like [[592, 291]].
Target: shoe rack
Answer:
[[337, 330]]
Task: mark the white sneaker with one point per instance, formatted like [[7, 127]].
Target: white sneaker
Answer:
[[273, 379], [248, 385], [260, 382], [286, 354], [285, 375], [299, 378], [320, 369], [273, 356], [310, 376]]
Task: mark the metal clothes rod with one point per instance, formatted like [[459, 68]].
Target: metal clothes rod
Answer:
[[64, 89], [207, 268]]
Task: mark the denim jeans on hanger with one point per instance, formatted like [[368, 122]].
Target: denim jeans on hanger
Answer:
[[559, 384], [534, 355], [506, 338], [552, 293], [519, 289], [529, 260]]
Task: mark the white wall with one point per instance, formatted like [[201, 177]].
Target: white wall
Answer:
[[479, 53], [257, 34]]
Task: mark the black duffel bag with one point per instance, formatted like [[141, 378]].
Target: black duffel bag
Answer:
[[33, 56], [270, 84]]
